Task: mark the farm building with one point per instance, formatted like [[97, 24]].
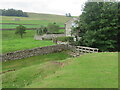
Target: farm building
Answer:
[[68, 26], [16, 19]]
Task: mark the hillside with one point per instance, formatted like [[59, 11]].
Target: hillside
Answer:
[[51, 17], [37, 17]]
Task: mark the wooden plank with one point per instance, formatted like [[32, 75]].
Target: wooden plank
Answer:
[[86, 47]]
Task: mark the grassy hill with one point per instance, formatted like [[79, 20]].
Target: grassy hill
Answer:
[[58, 70], [36, 17], [50, 17]]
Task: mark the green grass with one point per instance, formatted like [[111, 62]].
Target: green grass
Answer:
[[12, 42], [36, 66], [96, 70], [14, 26], [61, 30], [10, 26], [42, 22], [34, 60]]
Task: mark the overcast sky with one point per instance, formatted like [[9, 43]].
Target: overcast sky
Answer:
[[45, 6]]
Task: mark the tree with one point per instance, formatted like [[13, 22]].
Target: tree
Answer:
[[53, 28], [42, 30], [99, 25], [69, 14], [20, 30], [66, 15], [13, 12]]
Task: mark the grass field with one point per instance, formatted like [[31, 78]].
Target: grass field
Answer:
[[14, 26], [40, 61], [13, 42], [27, 26], [96, 70]]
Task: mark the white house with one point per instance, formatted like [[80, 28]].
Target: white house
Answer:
[[68, 26]]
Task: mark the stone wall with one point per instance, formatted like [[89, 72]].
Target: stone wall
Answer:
[[47, 36], [34, 52]]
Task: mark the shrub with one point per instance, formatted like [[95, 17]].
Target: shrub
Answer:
[[53, 28], [42, 30], [64, 39]]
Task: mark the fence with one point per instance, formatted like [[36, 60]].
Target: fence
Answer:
[[82, 49], [78, 50]]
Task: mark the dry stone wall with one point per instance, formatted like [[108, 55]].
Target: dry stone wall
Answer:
[[47, 36], [34, 52]]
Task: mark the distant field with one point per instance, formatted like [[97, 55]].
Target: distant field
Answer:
[[14, 26], [96, 70], [39, 22], [34, 18]]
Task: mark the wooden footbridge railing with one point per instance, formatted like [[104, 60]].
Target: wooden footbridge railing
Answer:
[[78, 50], [82, 49]]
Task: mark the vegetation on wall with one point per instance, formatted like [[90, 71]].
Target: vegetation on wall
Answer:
[[63, 39], [98, 25]]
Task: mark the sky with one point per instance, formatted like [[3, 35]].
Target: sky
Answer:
[[60, 7]]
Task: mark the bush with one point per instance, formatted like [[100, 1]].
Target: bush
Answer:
[[42, 30], [64, 39], [53, 28]]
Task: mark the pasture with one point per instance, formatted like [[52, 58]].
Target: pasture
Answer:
[[96, 70], [12, 42], [34, 18], [34, 24]]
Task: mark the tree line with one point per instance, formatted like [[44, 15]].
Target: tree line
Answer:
[[13, 12], [98, 26]]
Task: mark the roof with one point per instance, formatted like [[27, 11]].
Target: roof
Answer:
[[72, 19]]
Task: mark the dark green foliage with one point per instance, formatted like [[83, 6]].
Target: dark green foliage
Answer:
[[53, 28], [68, 14], [64, 39], [13, 12], [20, 30], [99, 25], [42, 30]]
